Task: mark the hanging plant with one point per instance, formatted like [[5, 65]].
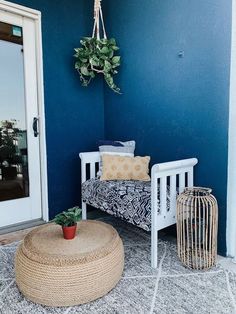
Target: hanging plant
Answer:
[[97, 56]]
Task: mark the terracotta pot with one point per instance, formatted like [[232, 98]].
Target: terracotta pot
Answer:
[[69, 232]]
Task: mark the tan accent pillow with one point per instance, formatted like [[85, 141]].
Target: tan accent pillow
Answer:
[[125, 168]]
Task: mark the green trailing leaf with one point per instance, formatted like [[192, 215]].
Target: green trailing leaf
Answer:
[[115, 48], [107, 66], [84, 71], [112, 41], [109, 80], [105, 50], [83, 60], [111, 54], [116, 60], [97, 57]]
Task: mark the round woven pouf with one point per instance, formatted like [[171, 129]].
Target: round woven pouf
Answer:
[[57, 272]]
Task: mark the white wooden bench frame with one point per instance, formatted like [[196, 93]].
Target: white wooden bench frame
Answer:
[[175, 174]]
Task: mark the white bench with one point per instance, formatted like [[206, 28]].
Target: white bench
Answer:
[[175, 174]]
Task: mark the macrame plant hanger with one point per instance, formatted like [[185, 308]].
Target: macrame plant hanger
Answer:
[[98, 16]]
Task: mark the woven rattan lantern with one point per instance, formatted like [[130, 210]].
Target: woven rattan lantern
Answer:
[[197, 222]]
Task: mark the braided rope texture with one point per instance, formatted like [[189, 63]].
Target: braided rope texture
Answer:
[[97, 5], [57, 272]]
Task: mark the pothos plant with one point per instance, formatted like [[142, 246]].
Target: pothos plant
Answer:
[[97, 56]]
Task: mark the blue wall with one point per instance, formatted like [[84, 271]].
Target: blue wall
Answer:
[[174, 107], [74, 115]]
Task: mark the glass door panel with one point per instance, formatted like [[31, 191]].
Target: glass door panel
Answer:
[[14, 178], [20, 178]]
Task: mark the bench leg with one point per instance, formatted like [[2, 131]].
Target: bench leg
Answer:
[[154, 249], [84, 211]]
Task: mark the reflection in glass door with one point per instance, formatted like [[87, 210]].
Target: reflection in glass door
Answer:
[[14, 179]]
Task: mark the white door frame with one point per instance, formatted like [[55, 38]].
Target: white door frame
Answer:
[[36, 16], [231, 185]]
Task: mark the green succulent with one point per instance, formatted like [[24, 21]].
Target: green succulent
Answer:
[[68, 218], [97, 56]]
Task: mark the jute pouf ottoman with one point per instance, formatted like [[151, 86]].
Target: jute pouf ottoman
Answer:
[[57, 272]]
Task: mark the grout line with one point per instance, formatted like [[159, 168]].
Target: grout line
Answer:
[[157, 281], [7, 287], [173, 276], [136, 245], [138, 277], [230, 291], [192, 274]]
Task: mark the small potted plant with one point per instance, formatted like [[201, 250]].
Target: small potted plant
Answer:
[[68, 220]]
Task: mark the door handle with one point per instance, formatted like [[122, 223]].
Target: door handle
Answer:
[[35, 126]]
